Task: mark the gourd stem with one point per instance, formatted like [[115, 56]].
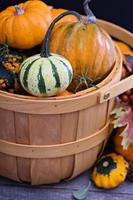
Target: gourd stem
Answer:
[[91, 19], [19, 11], [45, 52]]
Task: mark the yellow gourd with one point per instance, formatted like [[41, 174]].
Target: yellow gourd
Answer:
[[110, 171]]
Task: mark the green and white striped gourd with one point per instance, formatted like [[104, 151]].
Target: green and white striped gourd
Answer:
[[47, 74]]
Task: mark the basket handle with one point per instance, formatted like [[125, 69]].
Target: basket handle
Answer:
[[108, 92]]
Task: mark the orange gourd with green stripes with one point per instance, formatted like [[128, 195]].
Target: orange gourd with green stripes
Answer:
[[89, 49]]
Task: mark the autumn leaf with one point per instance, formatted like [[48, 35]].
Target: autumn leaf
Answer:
[[123, 117]]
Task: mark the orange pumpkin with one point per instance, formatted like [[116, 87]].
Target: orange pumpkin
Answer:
[[64, 93], [24, 25], [57, 11], [128, 153], [87, 46], [125, 50]]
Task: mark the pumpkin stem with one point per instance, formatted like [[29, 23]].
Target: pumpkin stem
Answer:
[[85, 81], [45, 52], [91, 19], [18, 11], [105, 164]]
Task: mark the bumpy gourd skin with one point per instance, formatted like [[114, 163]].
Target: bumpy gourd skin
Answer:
[[110, 171], [88, 48], [25, 25]]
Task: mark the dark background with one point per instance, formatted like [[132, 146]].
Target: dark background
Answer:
[[119, 12]]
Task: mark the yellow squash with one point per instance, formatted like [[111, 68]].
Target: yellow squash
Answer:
[[110, 171]]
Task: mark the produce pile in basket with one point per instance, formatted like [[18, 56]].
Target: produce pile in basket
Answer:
[[55, 52], [88, 51]]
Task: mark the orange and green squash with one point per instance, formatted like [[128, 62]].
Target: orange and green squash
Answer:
[[87, 46]]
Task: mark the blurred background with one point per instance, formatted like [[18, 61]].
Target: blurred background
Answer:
[[119, 12]]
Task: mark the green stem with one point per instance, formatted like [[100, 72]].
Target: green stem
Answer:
[[91, 19], [45, 52], [19, 11]]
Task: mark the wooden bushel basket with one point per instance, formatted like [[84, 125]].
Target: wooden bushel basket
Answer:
[[48, 140]]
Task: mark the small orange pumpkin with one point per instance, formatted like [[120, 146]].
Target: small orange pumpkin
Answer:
[[127, 153], [24, 25]]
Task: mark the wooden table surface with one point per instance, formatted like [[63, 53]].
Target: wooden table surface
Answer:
[[10, 190]]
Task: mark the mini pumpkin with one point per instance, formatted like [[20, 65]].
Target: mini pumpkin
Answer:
[[127, 153], [87, 46], [110, 171], [25, 25], [45, 74]]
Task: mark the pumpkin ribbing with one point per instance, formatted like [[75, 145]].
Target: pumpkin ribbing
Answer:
[[84, 51]]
